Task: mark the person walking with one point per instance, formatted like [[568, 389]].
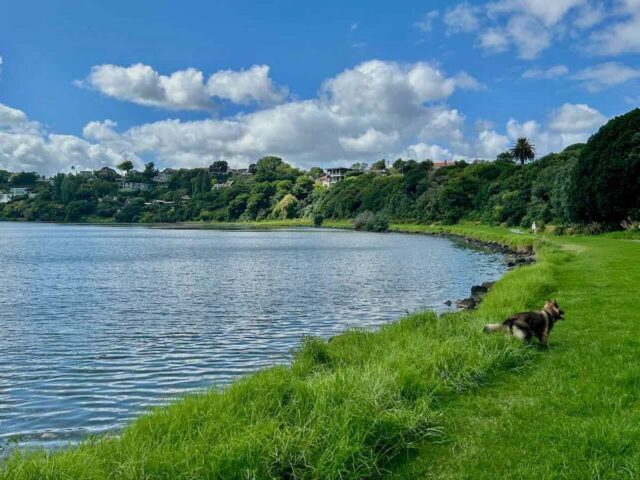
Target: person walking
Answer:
[[534, 228]]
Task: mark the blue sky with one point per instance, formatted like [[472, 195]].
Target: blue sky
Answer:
[[319, 83]]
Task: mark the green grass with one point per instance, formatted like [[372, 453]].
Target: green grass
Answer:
[[425, 397]]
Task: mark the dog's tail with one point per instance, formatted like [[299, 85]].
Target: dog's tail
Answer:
[[495, 327]]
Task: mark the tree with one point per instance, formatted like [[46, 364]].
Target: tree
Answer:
[[360, 166], [316, 172], [379, 165], [605, 182], [504, 157], [523, 150], [126, 167], [219, 167], [150, 171]]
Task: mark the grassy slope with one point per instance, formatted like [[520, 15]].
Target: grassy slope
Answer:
[[354, 406], [576, 412]]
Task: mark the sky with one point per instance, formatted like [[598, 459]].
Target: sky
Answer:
[[319, 83]]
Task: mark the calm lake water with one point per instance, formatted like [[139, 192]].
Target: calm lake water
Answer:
[[99, 323]]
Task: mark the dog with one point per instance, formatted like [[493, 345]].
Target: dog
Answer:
[[526, 325]]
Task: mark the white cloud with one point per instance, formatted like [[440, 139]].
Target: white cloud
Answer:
[[549, 12], [576, 118], [141, 84], [491, 143], [372, 108], [548, 73], [528, 35], [589, 15], [623, 35], [370, 141], [425, 24], [462, 18], [246, 86], [493, 40], [100, 131], [424, 151], [568, 124], [606, 75], [183, 89], [24, 145]]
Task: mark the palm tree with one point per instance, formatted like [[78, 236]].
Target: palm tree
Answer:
[[523, 150]]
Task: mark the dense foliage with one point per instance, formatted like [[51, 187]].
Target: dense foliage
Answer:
[[606, 182], [594, 182]]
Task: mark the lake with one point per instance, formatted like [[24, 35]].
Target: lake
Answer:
[[99, 323]]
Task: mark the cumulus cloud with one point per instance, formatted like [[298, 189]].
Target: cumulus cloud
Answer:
[[576, 118], [547, 73], [25, 145], [375, 107], [246, 86], [370, 141], [373, 110], [490, 143], [423, 151], [183, 89]]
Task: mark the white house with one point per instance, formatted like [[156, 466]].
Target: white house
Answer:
[[5, 197], [337, 174]]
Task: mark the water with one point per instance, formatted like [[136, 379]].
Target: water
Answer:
[[97, 323]]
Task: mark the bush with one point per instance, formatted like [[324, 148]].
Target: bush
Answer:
[[318, 219], [370, 222]]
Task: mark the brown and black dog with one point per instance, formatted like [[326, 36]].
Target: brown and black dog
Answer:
[[526, 325]]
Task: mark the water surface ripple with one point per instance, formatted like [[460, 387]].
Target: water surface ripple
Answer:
[[97, 324]]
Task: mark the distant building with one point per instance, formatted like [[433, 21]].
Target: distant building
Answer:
[[162, 177], [446, 163], [324, 180], [18, 191], [240, 171], [5, 197], [219, 186], [86, 173], [337, 174], [134, 187]]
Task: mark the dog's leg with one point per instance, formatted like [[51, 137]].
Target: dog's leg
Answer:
[[544, 339]]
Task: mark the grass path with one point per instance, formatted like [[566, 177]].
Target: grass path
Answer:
[[575, 412]]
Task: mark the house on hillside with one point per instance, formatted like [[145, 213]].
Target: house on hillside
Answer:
[[134, 187], [219, 186], [324, 180], [446, 163], [163, 176], [18, 191], [337, 174], [5, 197]]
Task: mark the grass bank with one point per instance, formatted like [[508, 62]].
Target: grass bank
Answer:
[[423, 397]]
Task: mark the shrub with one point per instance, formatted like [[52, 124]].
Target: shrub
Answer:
[[370, 222], [318, 219]]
